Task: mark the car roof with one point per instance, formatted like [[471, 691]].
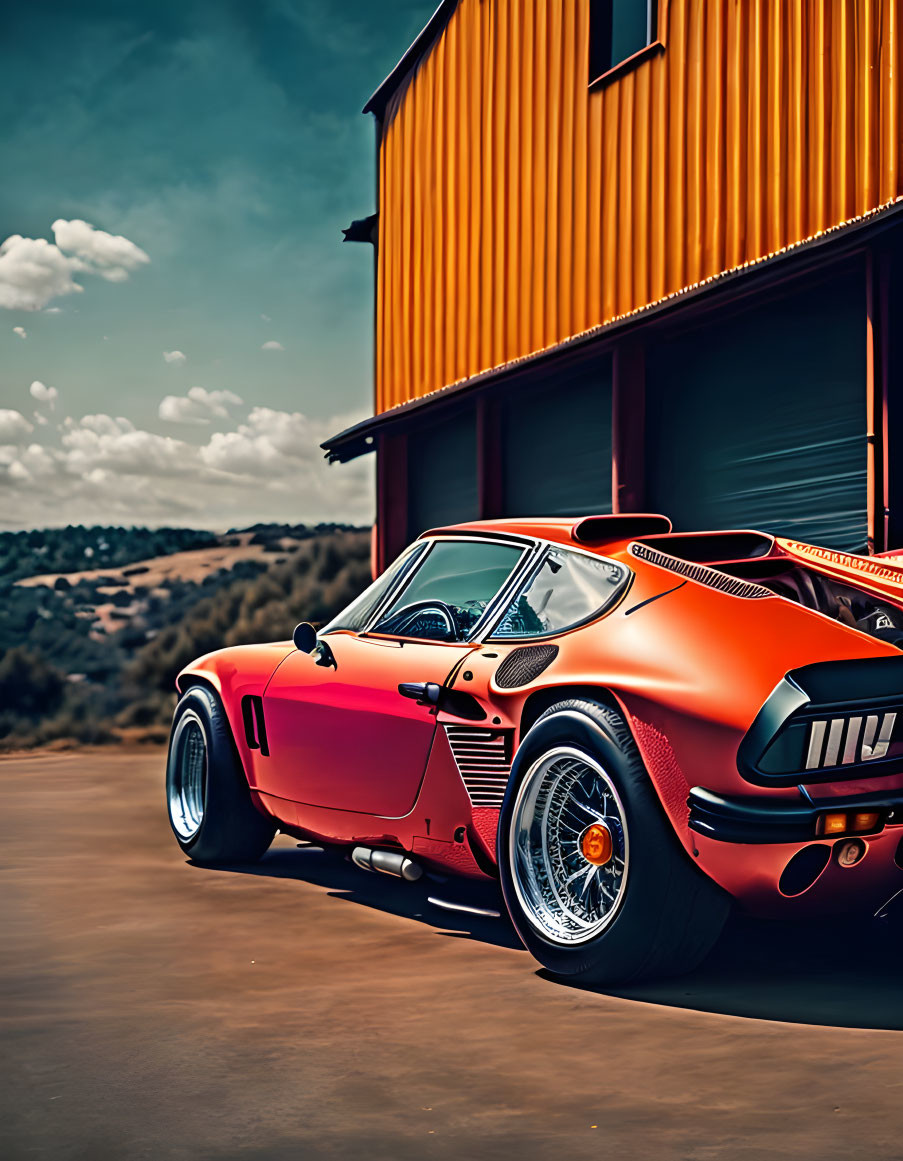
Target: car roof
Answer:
[[610, 534], [589, 532]]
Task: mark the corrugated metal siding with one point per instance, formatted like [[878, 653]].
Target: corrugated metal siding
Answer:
[[519, 208]]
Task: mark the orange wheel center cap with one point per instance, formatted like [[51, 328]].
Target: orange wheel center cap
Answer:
[[596, 845]]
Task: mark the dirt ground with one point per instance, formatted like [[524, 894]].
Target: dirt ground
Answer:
[[153, 1009]]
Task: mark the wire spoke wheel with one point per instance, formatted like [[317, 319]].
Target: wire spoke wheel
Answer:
[[188, 776], [568, 847]]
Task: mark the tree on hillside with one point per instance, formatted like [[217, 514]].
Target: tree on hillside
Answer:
[[29, 687]]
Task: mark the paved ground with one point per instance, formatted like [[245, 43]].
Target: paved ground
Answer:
[[152, 1009]]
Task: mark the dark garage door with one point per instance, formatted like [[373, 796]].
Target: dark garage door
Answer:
[[442, 472], [759, 421], [556, 441]]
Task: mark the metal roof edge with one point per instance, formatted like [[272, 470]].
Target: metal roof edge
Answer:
[[421, 45], [358, 439]]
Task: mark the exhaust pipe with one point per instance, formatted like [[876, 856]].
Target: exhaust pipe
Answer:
[[389, 862]]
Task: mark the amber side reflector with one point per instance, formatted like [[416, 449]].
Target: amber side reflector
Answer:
[[835, 823], [848, 822]]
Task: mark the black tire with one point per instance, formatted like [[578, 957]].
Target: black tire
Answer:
[[666, 915], [208, 800]]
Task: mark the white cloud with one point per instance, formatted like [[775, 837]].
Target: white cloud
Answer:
[[40, 419], [53, 310], [270, 440], [266, 318], [113, 445], [272, 345], [104, 469], [21, 332], [13, 426], [198, 406], [44, 394], [277, 446], [33, 271], [110, 255], [174, 357], [100, 424]]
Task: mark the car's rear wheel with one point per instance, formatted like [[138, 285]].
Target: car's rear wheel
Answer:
[[210, 808], [596, 883]]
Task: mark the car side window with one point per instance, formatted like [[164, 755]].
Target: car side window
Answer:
[[448, 593], [567, 589], [357, 615]]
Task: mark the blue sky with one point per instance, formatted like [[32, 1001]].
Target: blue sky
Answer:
[[199, 159]]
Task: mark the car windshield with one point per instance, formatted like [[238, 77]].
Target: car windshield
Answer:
[[567, 589], [358, 613], [448, 593]]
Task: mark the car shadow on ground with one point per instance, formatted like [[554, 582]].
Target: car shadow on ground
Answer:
[[343, 880], [829, 973]]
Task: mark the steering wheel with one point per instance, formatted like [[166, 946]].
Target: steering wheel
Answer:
[[397, 622]]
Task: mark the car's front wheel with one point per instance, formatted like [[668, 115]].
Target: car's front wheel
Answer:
[[210, 808], [594, 878]]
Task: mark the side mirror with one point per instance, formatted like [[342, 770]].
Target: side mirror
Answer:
[[305, 637]]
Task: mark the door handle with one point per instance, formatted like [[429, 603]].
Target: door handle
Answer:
[[452, 701], [423, 692]]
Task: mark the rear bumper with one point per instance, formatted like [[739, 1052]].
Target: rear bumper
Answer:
[[762, 820]]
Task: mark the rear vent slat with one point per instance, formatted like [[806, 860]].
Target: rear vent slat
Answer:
[[478, 739], [483, 758], [701, 573]]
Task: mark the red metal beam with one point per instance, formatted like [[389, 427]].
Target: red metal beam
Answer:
[[391, 499]]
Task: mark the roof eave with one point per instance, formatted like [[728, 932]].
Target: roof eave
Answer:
[[421, 45], [360, 438]]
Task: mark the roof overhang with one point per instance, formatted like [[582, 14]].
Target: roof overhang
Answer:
[[411, 59], [795, 258]]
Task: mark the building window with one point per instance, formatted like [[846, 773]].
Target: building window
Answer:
[[619, 29]]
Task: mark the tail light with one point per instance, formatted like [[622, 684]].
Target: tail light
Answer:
[[834, 823], [832, 720]]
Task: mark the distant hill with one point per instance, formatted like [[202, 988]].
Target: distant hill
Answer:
[[59, 550], [91, 654]]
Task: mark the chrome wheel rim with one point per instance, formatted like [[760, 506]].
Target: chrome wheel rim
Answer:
[[567, 898], [187, 776]]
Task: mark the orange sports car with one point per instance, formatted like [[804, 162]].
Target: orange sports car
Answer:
[[631, 728]]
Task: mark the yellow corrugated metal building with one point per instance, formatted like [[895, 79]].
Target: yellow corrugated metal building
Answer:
[[634, 254]]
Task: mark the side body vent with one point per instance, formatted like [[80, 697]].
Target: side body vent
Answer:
[[700, 573], [523, 665], [483, 758], [255, 726]]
